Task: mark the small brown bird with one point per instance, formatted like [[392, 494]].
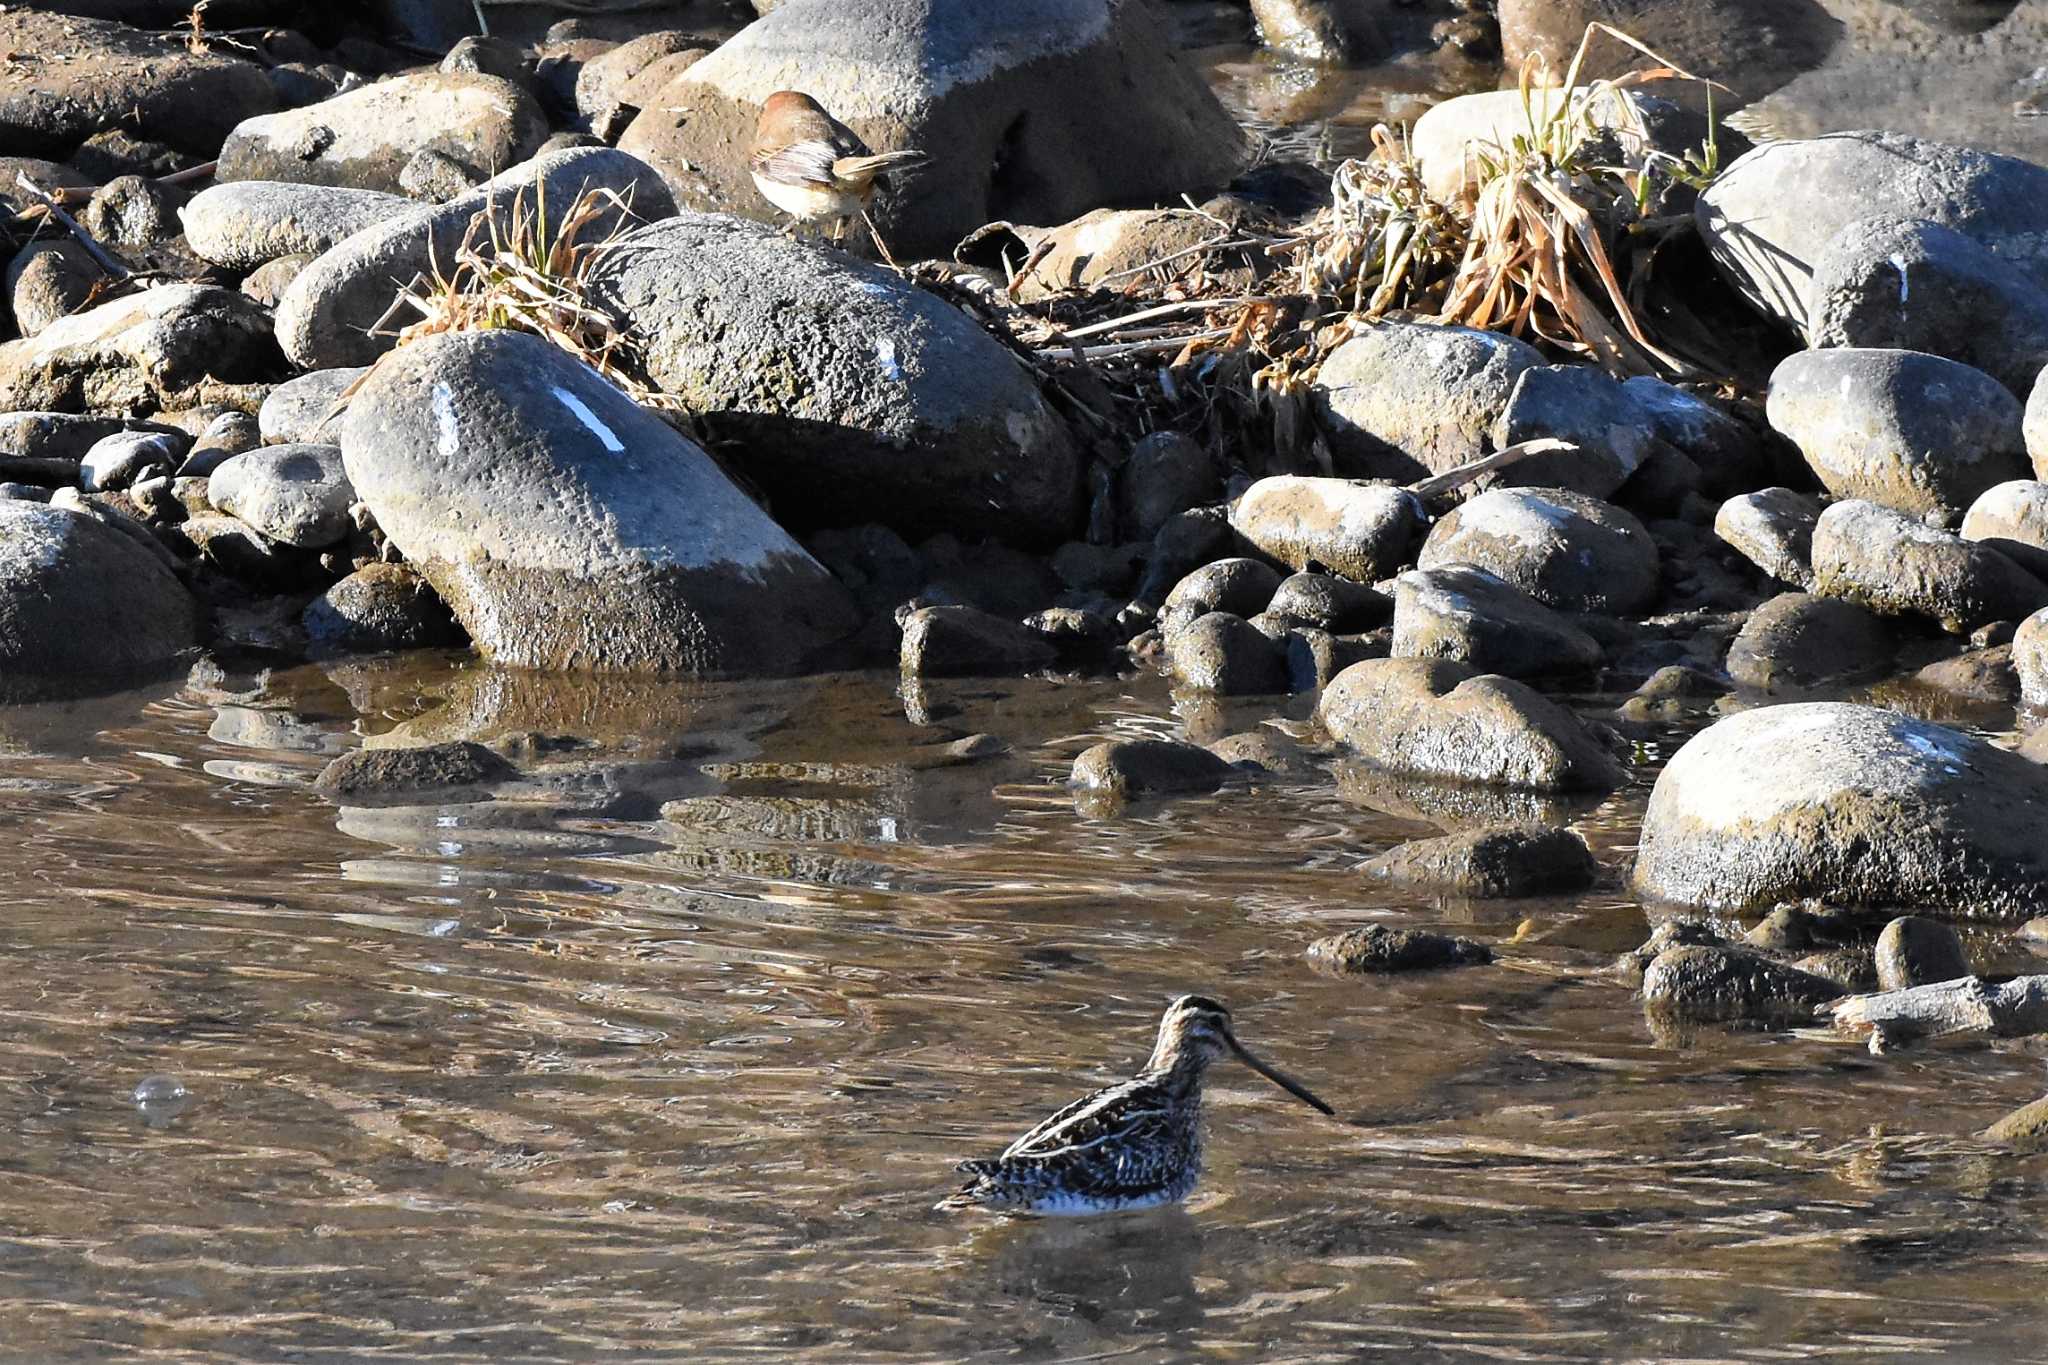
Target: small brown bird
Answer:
[[815, 168]]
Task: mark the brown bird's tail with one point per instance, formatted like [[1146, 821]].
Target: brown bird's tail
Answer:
[[862, 170]]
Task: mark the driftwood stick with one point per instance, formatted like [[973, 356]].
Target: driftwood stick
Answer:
[[1124, 348], [1453, 479], [1164, 310], [105, 262], [1223, 243], [1969, 1004]]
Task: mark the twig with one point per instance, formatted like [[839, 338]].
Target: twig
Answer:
[[1123, 348], [1162, 311], [119, 272], [1453, 479]]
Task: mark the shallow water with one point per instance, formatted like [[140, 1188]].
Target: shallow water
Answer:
[[554, 1076]]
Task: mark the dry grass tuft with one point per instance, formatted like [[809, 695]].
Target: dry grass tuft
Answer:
[[519, 269]]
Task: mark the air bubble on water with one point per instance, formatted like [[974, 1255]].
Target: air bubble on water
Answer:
[[159, 1099], [160, 1090]]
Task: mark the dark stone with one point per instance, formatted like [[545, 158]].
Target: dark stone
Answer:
[[955, 642], [1377, 948], [406, 776], [1485, 864], [1148, 767]]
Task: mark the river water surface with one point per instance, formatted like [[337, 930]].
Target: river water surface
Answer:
[[558, 1076]]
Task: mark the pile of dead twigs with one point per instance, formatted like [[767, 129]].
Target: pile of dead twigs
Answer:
[[1553, 240]]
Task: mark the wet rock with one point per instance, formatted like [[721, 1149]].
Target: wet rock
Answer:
[[851, 394], [1465, 613], [1361, 531], [405, 776], [1406, 400], [1166, 474], [2025, 1128], [127, 457], [1329, 603], [1913, 951], [326, 316], [1377, 948], [1787, 929], [1892, 563], [243, 224], [1130, 768], [2030, 658], [1703, 984], [1769, 217], [1797, 641], [297, 410], [1910, 285], [1852, 969], [224, 437], [1435, 718], [1669, 694], [2012, 518], [1670, 933], [947, 642], [299, 494], [165, 348], [364, 139], [1227, 655], [49, 281], [1239, 586], [379, 607], [1983, 674], [1850, 805], [876, 565], [1773, 529], [1009, 100], [1485, 864], [81, 604], [1565, 550], [72, 77], [592, 535], [1912, 432], [1263, 751], [1322, 30]]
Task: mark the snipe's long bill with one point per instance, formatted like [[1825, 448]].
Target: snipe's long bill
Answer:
[[1132, 1146]]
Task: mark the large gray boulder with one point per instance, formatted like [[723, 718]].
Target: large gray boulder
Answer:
[[175, 346], [1850, 805], [327, 314], [1405, 400], [567, 527], [1032, 111], [77, 598], [244, 224], [1361, 531], [1439, 719], [1770, 216], [1566, 550], [363, 139], [1894, 564], [1909, 285], [849, 395], [1465, 613], [1915, 432], [1618, 428]]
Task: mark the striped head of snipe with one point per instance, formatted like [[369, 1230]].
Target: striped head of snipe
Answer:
[[1195, 1031]]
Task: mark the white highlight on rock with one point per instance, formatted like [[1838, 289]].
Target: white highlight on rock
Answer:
[[589, 419], [448, 439], [885, 359]]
